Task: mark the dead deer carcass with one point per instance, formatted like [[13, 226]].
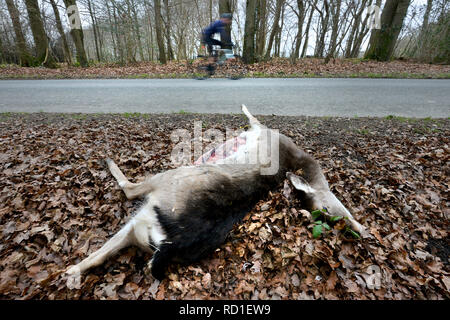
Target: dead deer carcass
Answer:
[[189, 211]]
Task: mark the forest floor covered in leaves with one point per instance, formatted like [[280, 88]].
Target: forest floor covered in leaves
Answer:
[[280, 67], [59, 203]]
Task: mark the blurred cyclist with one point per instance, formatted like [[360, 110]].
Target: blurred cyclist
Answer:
[[217, 27]]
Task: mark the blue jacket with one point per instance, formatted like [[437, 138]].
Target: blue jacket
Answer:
[[215, 27]]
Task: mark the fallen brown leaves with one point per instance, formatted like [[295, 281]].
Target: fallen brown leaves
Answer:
[[308, 67], [58, 203]]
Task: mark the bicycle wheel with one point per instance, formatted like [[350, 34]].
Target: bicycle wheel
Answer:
[[235, 70], [205, 69], [202, 73]]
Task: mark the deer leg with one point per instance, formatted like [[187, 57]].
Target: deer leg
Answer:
[[253, 121], [119, 241], [132, 190]]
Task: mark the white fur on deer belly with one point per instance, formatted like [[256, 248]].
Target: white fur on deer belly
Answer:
[[147, 228]]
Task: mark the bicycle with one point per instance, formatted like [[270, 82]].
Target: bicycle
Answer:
[[222, 58]]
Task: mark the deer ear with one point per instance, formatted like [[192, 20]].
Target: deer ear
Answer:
[[300, 184]]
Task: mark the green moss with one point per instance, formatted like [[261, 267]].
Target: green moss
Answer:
[[362, 131], [131, 114], [183, 112], [80, 116], [396, 118]]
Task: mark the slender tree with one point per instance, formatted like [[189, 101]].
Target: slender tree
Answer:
[[300, 19], [248, 54], [226, 6], [25, 58], [275, 27], [308, 26], [336, 12], [111, 30], [67, 54], [424, 28], [127, 34], [94, 30], [2, 57], [261, 29], [137, 29], [357, 16], [324, 21], [210, 11], [277, 42], [168, 27], [361, 34], [158, 29]]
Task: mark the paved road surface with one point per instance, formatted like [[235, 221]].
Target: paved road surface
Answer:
[[311, 97]]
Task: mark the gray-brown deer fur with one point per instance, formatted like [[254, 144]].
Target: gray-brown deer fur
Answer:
[[189, 211]]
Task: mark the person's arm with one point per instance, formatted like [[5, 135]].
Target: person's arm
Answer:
[[207, 32], [210, 30]]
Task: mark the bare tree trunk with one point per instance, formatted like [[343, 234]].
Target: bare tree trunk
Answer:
[[225, 6], [152, 50], [43, 53], [261, 30], [67, 54], [383, 41], [111, 30], [361, 34], [345, 29], [424, 28], [99, 33], [147, 37], [182, 50], [170, 54], [136, 30], [116, 32], [325, 18], [348, 47], [77, 36], [2, 56], [25, 58], [128, 35], [210, 11], [300, 20], [94, 29], [8, 43], [361, 31], [336, 11], [278, 35], [248, 54], [159, 35], [308, 26], [357, 16], [275, 28]]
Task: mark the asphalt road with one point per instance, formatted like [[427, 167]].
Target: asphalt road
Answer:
[[311, 97]]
